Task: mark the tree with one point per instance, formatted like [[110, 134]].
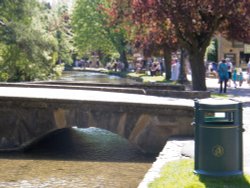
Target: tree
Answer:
[[12, 12], [58, 21], [26, 50], [156, 38], [93, 31], [195, 22]]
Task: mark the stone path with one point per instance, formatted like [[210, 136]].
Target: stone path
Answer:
[[179, 148]]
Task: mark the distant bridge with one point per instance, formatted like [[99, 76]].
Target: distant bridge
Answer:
[[28, 114]]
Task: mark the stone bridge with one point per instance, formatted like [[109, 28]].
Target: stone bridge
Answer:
[[28, 114]]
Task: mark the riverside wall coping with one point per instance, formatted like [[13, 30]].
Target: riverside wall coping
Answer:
[[148, 89]]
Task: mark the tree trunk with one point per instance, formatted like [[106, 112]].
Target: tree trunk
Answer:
[[167, 61], [198, 70], [182, 76], [123, 59]]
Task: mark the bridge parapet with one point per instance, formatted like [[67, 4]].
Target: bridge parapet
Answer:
[[148, 125], [153, 89]]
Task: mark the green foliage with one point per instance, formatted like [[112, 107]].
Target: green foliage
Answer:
[[58, 25], [212, 51], [93, 32], [11, 13], [179, 174], [28, 50], [89, 28]]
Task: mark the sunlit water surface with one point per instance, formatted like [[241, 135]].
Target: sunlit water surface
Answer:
[[91, 158], [76, 158], [94, 77]]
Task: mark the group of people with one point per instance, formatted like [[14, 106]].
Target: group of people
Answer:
[[115, 65], [228, 73], [83, 63], [155, 68]]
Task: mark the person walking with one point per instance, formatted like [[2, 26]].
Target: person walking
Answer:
[[223, 76], [248, 72]]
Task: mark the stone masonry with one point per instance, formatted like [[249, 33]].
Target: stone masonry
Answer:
[[28, 114]]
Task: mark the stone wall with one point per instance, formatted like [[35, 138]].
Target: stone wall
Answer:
[[24, 120], [165, 90]]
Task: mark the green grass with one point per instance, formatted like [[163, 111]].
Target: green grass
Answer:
[[179, 174], [219, 95], [146, 78]]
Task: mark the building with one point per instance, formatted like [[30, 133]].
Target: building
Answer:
[[238, 52]]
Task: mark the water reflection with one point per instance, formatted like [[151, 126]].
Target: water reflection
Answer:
[[94, 77], [76, 158]]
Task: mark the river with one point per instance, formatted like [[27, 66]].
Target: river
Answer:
[[94, 77], [91, 158]]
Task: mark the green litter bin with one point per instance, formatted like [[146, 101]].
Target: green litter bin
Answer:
[[218, 137]]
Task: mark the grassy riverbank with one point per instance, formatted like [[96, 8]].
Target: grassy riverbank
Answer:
[[142, 77], [179, 174]]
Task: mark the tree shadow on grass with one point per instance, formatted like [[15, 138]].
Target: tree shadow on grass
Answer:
[[238, 181]]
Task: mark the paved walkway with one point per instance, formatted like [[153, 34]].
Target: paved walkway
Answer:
[[178, 148]]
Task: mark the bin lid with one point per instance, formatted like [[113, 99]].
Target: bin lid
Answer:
[[219, 105], [210, 101]]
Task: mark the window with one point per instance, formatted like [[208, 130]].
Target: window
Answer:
[[237, 44]]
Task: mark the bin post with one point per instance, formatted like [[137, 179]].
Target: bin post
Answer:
[[218, 137]]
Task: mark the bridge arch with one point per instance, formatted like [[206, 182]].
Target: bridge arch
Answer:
[[147, 125]]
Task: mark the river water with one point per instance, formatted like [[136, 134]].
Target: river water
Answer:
[[94, 77], [91, 158]]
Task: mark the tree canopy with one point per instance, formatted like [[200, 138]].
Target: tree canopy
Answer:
[[93, 31], [194, 22], [34, 38], [27, 50]]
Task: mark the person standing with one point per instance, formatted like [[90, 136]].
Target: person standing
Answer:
[[229, 70], [175, 70], [223, 76], [235, 78], [248, 72], [240, 77]]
